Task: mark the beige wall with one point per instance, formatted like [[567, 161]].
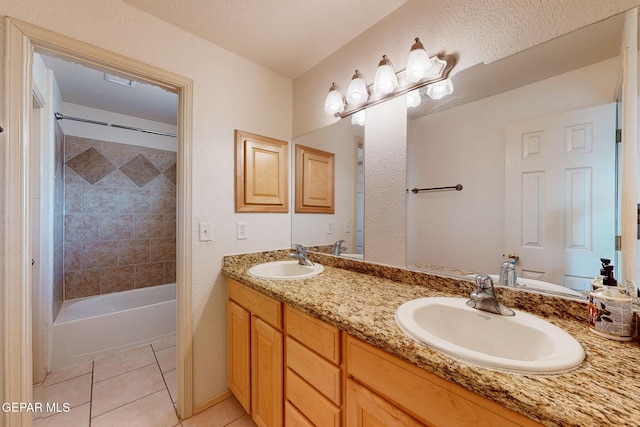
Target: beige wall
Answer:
[[229, 92]]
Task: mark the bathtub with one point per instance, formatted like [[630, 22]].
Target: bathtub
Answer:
[[93, 327]]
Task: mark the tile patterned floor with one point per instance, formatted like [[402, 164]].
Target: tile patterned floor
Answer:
[[135, 388]]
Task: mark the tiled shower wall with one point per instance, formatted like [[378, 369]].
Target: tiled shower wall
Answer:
[[58, 221], [120, 217]]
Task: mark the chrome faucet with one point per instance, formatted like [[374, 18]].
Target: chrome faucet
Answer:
[[301, 255], [337, 248], [485, 299], [508, 275]]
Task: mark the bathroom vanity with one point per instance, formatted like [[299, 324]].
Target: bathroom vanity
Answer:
[[327, 351]]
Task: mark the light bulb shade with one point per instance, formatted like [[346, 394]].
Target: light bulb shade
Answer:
[[413, 98], [357, 92], [334, 103], [386, 80], [440, 89], [418, 64], [358, 118]]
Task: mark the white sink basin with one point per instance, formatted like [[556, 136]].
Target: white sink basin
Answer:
[[523, 343], [285, 270]]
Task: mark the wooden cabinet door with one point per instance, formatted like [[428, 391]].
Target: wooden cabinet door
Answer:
[[267, 374], [238, 353], [367, 409]]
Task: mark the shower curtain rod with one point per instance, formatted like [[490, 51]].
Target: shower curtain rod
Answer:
[[60, 116]]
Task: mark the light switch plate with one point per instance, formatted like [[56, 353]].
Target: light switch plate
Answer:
[[206, 231]]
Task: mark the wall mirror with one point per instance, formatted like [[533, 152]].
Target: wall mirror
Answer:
[[461, 139], [320, 231], [536, 154]]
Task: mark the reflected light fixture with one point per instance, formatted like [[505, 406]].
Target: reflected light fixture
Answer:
[[440, 89], [358, 118], [385, 81], [419, 63], [357, 92], [334, 103], [413, 98]]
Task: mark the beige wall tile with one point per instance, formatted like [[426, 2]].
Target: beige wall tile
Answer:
[[133, 251], [133, 200], [163, 249], [170, 225], [99, 199], [81, 227], [73, 198], [72, 256], [80, 284], [116, 227], [149, 274], [116, 279], [148, 226], [170, 272], [91, 165], [99, 254]]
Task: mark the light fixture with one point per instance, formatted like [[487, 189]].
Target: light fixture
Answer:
[[421, 71], [418, 64], [440, 89], [334, 104], [357, 92], [386, 80], [119, 80], [358, 118], [413, 98]]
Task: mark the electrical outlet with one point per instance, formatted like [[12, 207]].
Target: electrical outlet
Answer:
[[329, 227], [205, 232], [347, 226], [242, 231]]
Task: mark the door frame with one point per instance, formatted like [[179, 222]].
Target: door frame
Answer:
[[22, 39]]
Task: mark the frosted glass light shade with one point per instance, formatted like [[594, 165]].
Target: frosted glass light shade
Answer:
[[357, 92], [386, 80], [440, 89], [358, 118], [413, 98], [334, 103], [418, 64]]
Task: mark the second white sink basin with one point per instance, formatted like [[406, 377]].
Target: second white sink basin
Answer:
[[285, 270], [523, 343]]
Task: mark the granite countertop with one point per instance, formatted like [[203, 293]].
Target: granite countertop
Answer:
[[361, 298]]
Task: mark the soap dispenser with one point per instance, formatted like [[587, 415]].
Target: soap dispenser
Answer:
[[610, 309]]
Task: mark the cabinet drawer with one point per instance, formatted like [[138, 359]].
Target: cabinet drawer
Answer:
[[429, 398], [320, 373], [293, 417], [310, 402], [268, 309], [317, 335], [365, 408]]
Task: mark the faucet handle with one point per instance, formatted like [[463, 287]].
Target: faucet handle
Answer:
[[484, 281]]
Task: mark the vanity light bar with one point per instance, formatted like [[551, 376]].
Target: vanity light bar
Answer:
[[440, 69]]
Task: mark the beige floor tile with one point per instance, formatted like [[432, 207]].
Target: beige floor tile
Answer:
[[68, 373], [155, 410], [219, 415], [164, 342], [167, 359], [243, 421], [171, 380], [126, 388], [76, 417], [75, 392], [122, 362]]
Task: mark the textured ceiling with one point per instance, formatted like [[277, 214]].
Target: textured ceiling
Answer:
[[286, 36]]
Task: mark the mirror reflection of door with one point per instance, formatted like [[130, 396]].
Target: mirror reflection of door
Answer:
[[560, 197]]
